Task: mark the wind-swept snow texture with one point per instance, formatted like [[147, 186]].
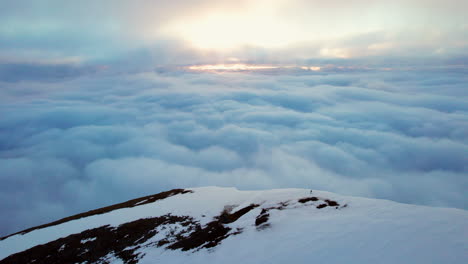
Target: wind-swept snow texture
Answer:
[[225, 225]]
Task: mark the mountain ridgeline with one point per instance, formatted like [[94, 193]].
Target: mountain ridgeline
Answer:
[[226, 225]]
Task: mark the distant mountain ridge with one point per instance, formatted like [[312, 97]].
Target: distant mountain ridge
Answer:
[[214, 225]]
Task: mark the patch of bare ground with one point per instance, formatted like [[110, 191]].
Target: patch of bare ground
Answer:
[[261, 221], [308, 199], [327, 202], [123, 242], [264, 216], [96, 245], [213, 233], [103, 210], [100, 245], [320, 206]]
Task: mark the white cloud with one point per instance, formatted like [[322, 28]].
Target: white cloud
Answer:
[[72, 145]]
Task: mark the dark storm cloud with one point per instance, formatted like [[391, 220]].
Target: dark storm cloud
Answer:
[[83, 142]]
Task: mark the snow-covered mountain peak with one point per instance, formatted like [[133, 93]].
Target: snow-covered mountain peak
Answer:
[[213, 224]]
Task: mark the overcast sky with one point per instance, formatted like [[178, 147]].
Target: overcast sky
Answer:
[[97, 104], [84, 31]]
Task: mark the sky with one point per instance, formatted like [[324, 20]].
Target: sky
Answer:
[[103, 101]]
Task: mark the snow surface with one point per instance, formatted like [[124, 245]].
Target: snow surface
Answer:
[[87, 240], [366, 231]]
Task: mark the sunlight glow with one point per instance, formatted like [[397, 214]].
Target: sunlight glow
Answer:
[[231, 67], [236, 67], [227, 29], [311, 68]]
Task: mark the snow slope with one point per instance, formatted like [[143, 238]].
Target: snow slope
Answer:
[[273, 226]]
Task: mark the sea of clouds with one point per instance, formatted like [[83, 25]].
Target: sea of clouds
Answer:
[[76, 140]]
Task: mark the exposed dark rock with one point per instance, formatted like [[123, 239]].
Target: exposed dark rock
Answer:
[[95, 245], [307, 199], [125, 241], [314, 199], [320, 206], [213, 233], [262, 217], [332, 203], [227, 218]]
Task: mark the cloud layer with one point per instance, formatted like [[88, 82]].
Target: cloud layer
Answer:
[[76, 142]]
